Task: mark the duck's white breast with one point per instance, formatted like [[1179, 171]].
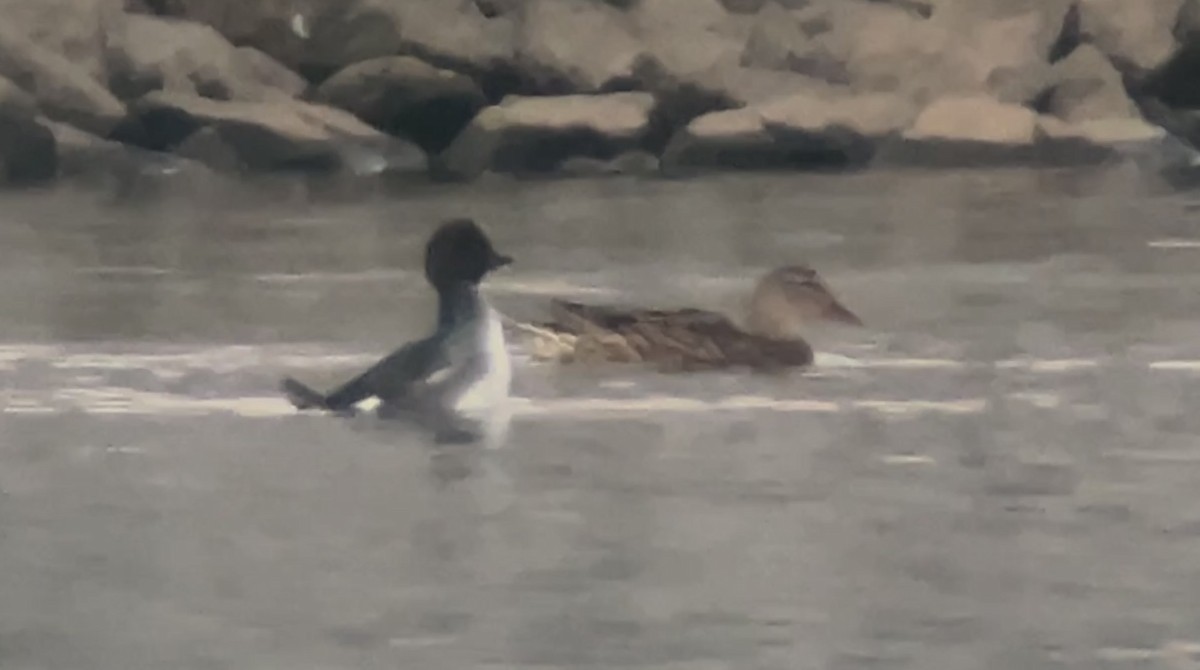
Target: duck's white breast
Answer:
[[493, 386]]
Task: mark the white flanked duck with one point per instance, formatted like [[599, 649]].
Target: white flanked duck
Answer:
[[784, 303], [457, 379]]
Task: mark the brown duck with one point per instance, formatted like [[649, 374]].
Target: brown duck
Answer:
[[783, 303]]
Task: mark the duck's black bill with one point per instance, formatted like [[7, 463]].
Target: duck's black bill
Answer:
[[499, 261], [838, 312]]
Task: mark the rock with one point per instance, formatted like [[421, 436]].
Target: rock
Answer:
[[407, 97], [1184, 123], [746, 6], [1187, 27], [867, 117], [734, 138], [74, 29], [779, 40], [685, 40], [1085, 86], [1177, 82], [152, 54], [274, 135], [568, 46], [28, 153], [537, 134], [983, 46], [640, 163], [813, 129], [260, 67], [1105, 132], [16, 102], [123, 170], [967, 130], [1137, 36], [974, 119], [80, 152], [459, 37], [63, 91], [884, 48], [317, 38]]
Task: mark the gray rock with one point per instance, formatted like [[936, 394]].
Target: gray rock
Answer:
[[1187, 27], [28, 153], [63, 91], [818, 128], [779, 40], [262, 68], [746, 6], [274, 135], [984, 46], [1085, 86], [966, 130], [1108, 132], [151, 54], [458, 36], [538, 134], [77, 30], [568, 46], [685, 39], [317, 38], [639, 163], [407, 97], [1137, 36]]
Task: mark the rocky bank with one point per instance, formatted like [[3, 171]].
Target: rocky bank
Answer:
[[451, 89]]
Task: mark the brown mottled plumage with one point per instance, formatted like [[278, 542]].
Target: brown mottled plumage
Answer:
[[784, 300]]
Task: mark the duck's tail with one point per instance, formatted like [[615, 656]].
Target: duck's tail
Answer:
[[301, 395]]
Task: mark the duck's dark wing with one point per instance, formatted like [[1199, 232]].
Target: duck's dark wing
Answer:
[[680, 339], [391, 378]]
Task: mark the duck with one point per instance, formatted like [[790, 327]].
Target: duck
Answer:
[[784, 302], [453, 381]]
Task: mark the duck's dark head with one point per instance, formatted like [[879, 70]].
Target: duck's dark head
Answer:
[[460, 252]]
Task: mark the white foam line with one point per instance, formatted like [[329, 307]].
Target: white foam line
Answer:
[[330, 277], [1049, 365], [1176, 365], [547, 287], [1174, 243], [299, 357], [158, 404], [908, 459], [131, 270]]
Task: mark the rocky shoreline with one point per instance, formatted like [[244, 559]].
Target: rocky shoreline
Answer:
[[453, 89]]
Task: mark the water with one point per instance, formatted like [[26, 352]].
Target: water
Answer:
[[1001, 473]]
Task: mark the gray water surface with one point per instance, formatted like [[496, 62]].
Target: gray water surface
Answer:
[[1003, 472]]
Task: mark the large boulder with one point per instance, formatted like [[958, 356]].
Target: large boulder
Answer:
[[77, 30], [566, 46], [63, 91], [1137, 36], [274, 135], [964, 130], [407, 97], [318, 37], [1104, 133], [689, 36], [781, 40], [258, 66], [818, 128], [28, 153], [538, 134], [1085, 86], [983, 46], [150, 54]]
